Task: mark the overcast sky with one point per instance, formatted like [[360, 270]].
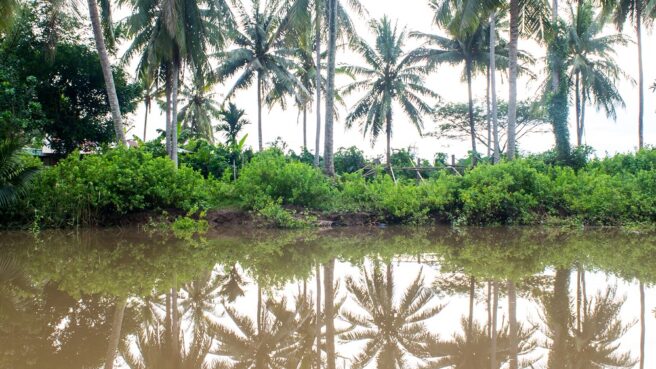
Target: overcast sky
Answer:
[[604, 134]]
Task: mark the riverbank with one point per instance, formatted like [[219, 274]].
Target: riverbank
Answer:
[[277, 190]]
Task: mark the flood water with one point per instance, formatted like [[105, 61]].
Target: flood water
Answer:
[[402, 298]]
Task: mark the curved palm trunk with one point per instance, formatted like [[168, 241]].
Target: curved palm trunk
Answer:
[[318, 322], [317, 37], [115, 336], [642, 325], [174, 112], [493, 326], [512, 326], [512, 78], [107, 73], [329, 165], [493, 87], [472, 126], [259, 111], [329, 293], [641, 77], [388, 132]]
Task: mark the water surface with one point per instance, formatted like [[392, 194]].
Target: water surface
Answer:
[[403, 297]]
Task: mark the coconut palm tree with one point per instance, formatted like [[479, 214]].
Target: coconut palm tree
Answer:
[[391, 77], [232, 122], [391, 331], [199, 109], [149, 80], [260, 56], [591, 63], [639, 13], [176, 34], [14, 176]]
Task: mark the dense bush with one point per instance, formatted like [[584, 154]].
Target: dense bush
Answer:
[[272, 176], [93, 188]]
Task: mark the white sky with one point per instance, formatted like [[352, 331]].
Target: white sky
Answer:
[[604, 134]]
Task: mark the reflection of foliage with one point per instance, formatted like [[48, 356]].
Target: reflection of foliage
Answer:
[[474, 351], [392, 332]]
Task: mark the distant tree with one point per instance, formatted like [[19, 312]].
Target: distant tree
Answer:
[[199, 108]]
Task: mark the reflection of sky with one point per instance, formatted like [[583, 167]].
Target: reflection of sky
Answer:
[[602, 133], [447, 322]]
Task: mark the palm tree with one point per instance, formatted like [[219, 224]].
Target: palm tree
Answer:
[[115, 336], [638, 12], [329, 165], [591, 64], [391, 331], [14, 176], [149, 80], [199, 109], [260, 56], [233, 122], [107, 68], [391, 77], [173, 34]]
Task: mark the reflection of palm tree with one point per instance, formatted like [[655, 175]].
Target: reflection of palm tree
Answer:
[[12, 278], [272, 346], [473, 350], [202, 295], [392, 331]]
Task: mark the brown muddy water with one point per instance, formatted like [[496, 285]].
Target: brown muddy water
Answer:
[[400, 298]]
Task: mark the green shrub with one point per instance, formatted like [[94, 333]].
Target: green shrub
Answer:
[[272, 176], [506, 193], [90, 189], [349, 160]]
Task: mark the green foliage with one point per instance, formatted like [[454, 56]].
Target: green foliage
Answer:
[[97, 188], [349, 160], [275, 215], [16, 172], [270, 175]]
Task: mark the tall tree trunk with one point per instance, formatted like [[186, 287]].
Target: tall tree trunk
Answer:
[[304, 128], [388, 133], [558, 306], [488, 112], [107, 72], [641, 77], [259, 112], [329, 294], [259, 309], [175, 326], [317, 37], [472, 126], [512, 78], [493, 87], [579, 297], [513, 327], [147, 105], [584, 100], [318, 322], [643, 328], [489, 308], [577, 102], [555, 72], [168, 111], [329, 165], [174, 112], [493, 340], [115, 336]]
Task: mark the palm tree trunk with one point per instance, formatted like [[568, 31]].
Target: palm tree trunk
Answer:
[[493, 87], [168, 112], [577, 92], [493, 340], [175, 326], [579, 297], [487, 113], [329, 293], [642, 325], [559, 314], [318, 322], [583, 102], [329, 165], [641, 77], [317, 37], [259, 309], [489, 308], [512, 78], [147, 105], [174, 112], [512, 325], [472, 126], [115, 336], [388, 132], [259, 112], [107, 73], [304, 128]]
